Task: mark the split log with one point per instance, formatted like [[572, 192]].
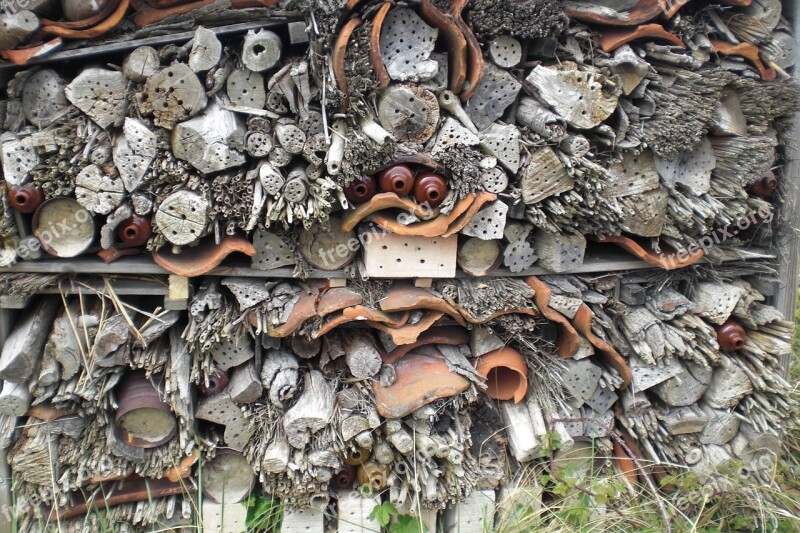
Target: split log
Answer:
[[173, 95], [649, 214], [206, 50], [114, 333], [361, 355], [409, 113], [729, 384], [63, 345], [16, 28], [211, 141], [478, 257], [244, 385], [630, 68], [276, 457], [98, 192], [133, 153], [261, 50], [181, 217], [720, 428], [533, 115], [15, 399], [684, 420], [140, 64], [101, 94], [43, 97], [279, 375], [22, 350], [352, 426], [312, 411], [686, 388], [750, 443]]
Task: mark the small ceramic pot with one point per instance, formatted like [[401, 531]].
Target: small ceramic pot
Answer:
[[216, 383], [765, 185], [143, 419], [25, 198], [506, 374], [373, 475], [135, 230], [731, 336], [430, 188], [344, 478], [357, 456], [360, 190], [397, 179]]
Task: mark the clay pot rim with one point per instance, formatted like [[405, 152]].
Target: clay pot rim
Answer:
[[150, 402], [510, 359], [35, 224]]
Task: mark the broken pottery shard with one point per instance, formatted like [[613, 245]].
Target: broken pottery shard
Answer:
[[133, 152], [497, 89], [406, 45], [204, 257], [220, 409], [101, 94], [212, 141]]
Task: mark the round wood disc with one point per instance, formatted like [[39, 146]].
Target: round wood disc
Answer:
[[228, 478], [64, 227], [182, 217], [409, 113], [328, 248]]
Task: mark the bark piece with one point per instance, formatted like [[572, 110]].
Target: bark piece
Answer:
[[16, 28], [542, 176], [101, 94], [502, 141], [478, 257], [212, 141], [181, 217], [397, 256], [692, 168], [312, 411], [361, 355], [579, 96], [488, 223], [173, 94], [43, 97], [558, 252], [98, 192], [271, 251], [406, 43], [221, 410], [23, 348], [496, 90], [206, 50], [409, 113], [244, 385], [246, 88], [328, 249], [133, 152], [261, 50], [140, 64], [279, 375]]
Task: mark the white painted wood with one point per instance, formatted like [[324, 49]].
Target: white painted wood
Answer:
[[302, 520], [353, 513], [224, 518], [394, 256], [474, 514]]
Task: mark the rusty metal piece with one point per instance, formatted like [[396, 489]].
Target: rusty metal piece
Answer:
[[612, 39], [474, 54], [25, 198], [344, 478], [216, 382], [375, 58], [140, 403], [731, 336], [569, 340], [356, 456], [403, 297], [384, 200], [644, 11], [667, 261], [583, 325], [21, 56], [95, 31], [338, 54], [373, 475], [456, 43], [448, 335], [202, 258], [506, 374], [421, 379], [410, 332], [135, 230], [358, 312], [747, 51]]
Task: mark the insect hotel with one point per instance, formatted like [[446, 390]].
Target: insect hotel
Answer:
[[422, 256]]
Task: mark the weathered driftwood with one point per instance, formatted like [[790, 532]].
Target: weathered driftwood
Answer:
[[210, 142], [98, 192], [244, 385], [279, 375], [261, 50], [22, 349], [311, 412], [16, 28], [361, 355], [173, 94], [559, 252], [206, 50], [141, 63], [101, 94], [182, 217]]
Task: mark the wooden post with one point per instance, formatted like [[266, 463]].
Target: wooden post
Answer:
[[6, 518], [177, 297]]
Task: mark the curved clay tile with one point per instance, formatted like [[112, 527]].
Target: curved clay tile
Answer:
[[200, 259], [613, 39], [626, 465], [421, 379], [402, 297], [21, 56], [410, 332], [337, 299], [448, 335], [148, 15], [644, 11], [568, 340], [506, 374], [583, 324], [101, 28], [456, 43], [435, 227], [339, 51], [304, 309], [666, 261], [481, 198], [384, 200], [747, 51], [375, 58], [359, 312], [472, 319], [82, 24], [474, 54]]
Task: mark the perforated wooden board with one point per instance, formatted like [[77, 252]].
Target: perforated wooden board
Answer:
[[692, 169], [271, 251], [543, 176], [233, 352], [134, 152], [502, 141], [221, 410], [406, 44], [716, 301], [19, 158], [636, 173], [581, 378], [559, 252], [646, 376], [394, 256], [489, 222], [649, 214], [246, 88], [497, 89], [43, 97]]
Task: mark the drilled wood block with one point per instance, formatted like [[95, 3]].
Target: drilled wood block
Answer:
[[395, 256], [475, 513], [223, 518], [305, 520], [353, 513]]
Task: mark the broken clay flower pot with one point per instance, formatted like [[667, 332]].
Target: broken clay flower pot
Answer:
[[731, 336], [344, 478], [206, 256], [25, 198], [506, 374], [143, 418], [217, 382], [135, 230], [398, 179], [765, 185], [64, 227]]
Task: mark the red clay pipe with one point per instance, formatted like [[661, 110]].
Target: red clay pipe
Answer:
[[731, 336], [360, 190], [344, 478], [217, 382], [765, 186], [430, 188], [397, 179], [25, 198], [135, 230]]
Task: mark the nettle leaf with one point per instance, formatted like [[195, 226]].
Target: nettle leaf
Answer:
[[407, 524], [383, 513]]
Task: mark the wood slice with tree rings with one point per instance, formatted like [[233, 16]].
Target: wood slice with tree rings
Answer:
[[98, 192], [246, 88], [140, 64], [64, 227], [409, 113], [328, 248], [478, 257], [174, 94], [101, 94], [43, 97], [228, 478], [181, 217], [494, 180], [143, 419]]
